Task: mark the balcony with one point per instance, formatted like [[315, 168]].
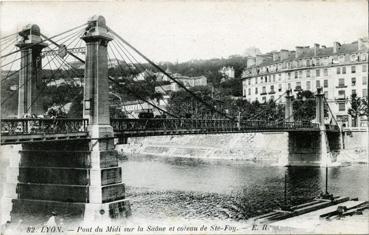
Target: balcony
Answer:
[[341, 98], [271, 92], [298, 88], [263, 93], [341, 86]]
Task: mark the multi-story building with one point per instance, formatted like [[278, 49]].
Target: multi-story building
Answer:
[[227, 73], [185, 80], [341, 70]]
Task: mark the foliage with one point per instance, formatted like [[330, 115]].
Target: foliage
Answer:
[[209, 68], [183, 104], [232, 87], [304, 106], [359, 107]]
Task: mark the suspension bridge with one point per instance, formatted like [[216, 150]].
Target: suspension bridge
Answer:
[[73, 161]]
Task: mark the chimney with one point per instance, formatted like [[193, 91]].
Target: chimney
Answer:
[[336, 47], [251, 61], [299, 51], [316, 49], [284, 54], [275, 56], [259, 59]]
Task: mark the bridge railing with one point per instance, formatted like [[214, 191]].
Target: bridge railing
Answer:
[[269, 125], [32, 126], [127, 124]]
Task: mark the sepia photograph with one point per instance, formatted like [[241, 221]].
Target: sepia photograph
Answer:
[[184, 117]]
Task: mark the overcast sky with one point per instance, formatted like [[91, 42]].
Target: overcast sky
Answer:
[[185, 30]]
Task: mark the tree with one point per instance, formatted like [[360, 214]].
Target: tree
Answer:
[[304, 106], [359, 107]]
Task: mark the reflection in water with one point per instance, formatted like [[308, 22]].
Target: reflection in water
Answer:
[[161, 188], [229, 190]]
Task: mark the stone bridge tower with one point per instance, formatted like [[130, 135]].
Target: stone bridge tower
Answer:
[[78, 178], [30, 45]]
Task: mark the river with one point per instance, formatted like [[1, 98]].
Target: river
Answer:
[[188, 188], [162, 188]]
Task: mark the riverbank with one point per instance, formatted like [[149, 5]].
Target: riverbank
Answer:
[[263, 148]]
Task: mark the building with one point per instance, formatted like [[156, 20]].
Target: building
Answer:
[[227, 73], [340, 70], [185, 80], [133, 108]]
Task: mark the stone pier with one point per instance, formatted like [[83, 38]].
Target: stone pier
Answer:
[[313, 148]]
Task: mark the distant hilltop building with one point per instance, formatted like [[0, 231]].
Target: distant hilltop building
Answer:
[[133, 108], [227, 73], [185, 80], [341, 70]]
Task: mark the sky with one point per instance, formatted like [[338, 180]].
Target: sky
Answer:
[[185, 30]]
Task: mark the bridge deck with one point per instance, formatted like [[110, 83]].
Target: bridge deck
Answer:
[[17, 131]]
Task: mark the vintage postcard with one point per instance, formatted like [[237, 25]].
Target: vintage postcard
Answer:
[[184, 117]]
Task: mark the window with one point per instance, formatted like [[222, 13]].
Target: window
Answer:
[[308, 87], [318, 72], [353, 91], [272, 88], [280, 87], [289, 86], [298, 86], [365, 92], [279, 77], [341, 94], [325, 72], [289, 75], [296, 75], [249, 91], [272, 97], [249, 82], [341, 107], [353, 81], [365, 80], [341, 82], [265, 79], [273, 78], [353, 69], [325, 83], [264, 99], [343, 70], [317, 83], [307, 73], [338, 70], [300, 73], [256, 90], [263, 90], [365, 68]]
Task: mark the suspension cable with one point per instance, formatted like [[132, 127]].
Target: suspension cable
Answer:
[[52, 77], [177, 82], [329, 108], [126, 62], [67, 31], [264, 110], [139, 97]]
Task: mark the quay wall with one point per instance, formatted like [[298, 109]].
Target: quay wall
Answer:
[[269, 148]]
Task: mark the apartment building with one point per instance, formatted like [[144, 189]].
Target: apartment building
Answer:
[[340, 70]]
